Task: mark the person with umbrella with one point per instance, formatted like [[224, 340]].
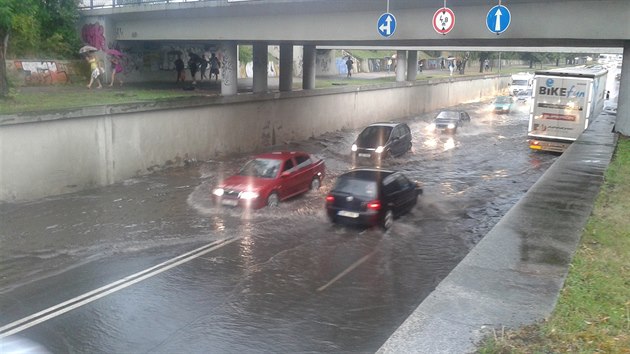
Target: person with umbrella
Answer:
[[95, 71], [117, 68]]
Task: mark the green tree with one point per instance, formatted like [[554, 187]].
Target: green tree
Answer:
[[13, 16], [533, 58], [36, 28], [245, 53], [59, 18]]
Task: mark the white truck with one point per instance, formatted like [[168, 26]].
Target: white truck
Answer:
[[521, 82], [564, 102]]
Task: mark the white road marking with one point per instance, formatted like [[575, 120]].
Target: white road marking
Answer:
[[348, 270], [54, 311]]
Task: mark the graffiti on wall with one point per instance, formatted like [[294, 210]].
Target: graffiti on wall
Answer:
[[94, 35], [324, 64], [42, 72]]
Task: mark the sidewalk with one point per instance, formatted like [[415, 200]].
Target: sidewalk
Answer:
[[514, 275]]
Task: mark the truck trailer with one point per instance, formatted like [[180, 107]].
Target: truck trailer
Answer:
[[564, 101]]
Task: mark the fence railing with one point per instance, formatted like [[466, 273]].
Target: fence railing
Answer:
[[99, 4]]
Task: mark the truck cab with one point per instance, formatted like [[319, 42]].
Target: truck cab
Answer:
[[521, 82]]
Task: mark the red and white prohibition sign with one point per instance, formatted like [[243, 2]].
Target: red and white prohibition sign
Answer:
[[443, 20]]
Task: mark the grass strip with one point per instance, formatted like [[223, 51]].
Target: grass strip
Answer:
[[593, 310]]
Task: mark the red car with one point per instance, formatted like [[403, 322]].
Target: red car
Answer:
[[269, 178]]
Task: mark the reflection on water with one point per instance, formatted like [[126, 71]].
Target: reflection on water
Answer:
[[449, 144]]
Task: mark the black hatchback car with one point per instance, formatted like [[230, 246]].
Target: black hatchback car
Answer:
[[380, 140], [371, 197]]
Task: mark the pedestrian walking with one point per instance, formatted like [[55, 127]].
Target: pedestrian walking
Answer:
[[203, 67], [214, 66], [349, 64], [451, 66], [179, 67], [193, 66], [607, 94], [116, 70], [95, 71]]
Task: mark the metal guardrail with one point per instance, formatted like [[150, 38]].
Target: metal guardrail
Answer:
[[99, 4]]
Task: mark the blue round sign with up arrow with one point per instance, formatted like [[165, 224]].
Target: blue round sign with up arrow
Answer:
[[498, 19], [386, 24]]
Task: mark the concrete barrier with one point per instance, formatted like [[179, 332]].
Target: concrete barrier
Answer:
[[62, 152]]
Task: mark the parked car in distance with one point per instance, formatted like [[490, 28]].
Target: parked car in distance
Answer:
[[381, 140], [371, 197], [270, 178], [502, 104], [449, 121]]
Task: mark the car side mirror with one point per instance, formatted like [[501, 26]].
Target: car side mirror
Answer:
[[285, 174]]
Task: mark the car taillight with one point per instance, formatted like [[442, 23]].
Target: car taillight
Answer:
[[374, 205], [330, 199]]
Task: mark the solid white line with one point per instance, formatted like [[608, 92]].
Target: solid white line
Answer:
[[93, 295], [348, 270]]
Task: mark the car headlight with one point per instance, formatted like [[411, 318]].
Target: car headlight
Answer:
[[451, 126], [379, 150], [218, 192], [431, 127], [248, 195], [354, 147]]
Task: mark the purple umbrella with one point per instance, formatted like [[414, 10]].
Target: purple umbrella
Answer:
[[114, 52]]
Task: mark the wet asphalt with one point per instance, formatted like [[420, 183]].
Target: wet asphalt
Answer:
[[273, 280]]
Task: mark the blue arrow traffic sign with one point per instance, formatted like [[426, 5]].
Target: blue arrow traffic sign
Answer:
[[386, 24], [498, 19]]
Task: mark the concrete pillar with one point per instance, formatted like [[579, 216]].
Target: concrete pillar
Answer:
[[309, 67], [623, 98], [286, 67], [260, 67], [401, 65], [229, 69], [412, 65]]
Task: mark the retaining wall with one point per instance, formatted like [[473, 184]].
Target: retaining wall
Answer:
[[61, 152]]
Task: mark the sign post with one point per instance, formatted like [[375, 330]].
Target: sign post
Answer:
[[498, 19], [386, 25], [443, 20]]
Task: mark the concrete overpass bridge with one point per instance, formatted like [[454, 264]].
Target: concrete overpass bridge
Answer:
[[222, 25]]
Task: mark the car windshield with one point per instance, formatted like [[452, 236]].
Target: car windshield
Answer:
[[503, 100], [356, 187], [374, 136], [448, 115], [261, 168]]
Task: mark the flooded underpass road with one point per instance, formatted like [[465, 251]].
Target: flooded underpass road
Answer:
[[151, 265]]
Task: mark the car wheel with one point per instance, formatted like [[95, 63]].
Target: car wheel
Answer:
[[315, 184], [388, 220], [273, 200]]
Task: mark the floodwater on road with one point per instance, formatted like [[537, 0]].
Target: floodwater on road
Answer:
[[274, 280]]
